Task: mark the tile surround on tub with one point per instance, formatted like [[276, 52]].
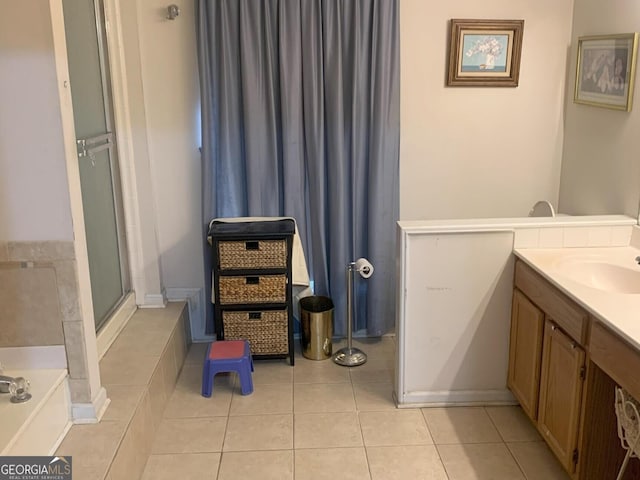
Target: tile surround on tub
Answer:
[[68, 290], [41, 304], [79, 391], [74, 340], [31, 314], [38, 357], [53, 250], [43, 271]]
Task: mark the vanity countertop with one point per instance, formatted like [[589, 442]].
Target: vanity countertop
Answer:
[[605, 281]]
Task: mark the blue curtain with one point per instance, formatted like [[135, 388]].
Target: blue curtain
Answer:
[[300, 118]]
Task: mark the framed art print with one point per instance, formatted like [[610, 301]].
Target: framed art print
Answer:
[[605, 70], [485, 53]]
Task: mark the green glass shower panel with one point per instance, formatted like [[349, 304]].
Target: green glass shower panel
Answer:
[[97, 155], [102, 239]]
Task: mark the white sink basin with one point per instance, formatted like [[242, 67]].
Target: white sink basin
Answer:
[[602, 275]]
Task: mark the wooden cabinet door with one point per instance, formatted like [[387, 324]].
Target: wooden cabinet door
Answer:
[[525, 352], [562, 375]]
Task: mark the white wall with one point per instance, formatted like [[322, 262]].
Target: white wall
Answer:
[[601, 166], [171, 93], [133, 144], [470, 152], [453, 328], [164, 94], [452, 164], [34, 195]]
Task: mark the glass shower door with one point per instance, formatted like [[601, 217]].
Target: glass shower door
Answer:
[[97, 154]]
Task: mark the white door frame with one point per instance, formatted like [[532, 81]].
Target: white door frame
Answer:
[[137, 199]]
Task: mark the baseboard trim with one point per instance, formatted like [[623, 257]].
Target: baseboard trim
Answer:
[[154, 300], [195, 301], [84, 413], [455, 398]]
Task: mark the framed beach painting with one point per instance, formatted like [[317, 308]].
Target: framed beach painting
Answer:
[[485, 53], [606, 70]]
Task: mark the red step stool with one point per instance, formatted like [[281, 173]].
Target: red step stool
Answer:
[[228, 356]]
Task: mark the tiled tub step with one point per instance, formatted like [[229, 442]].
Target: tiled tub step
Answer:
[[139, 372]]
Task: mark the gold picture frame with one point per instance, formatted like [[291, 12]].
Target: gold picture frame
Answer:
[[606, 70], [485, 53]]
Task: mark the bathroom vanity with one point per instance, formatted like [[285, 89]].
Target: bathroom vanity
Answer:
[[558, 323], [575, 334]]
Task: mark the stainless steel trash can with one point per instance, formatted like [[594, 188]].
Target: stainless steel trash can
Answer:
[[316, 318]]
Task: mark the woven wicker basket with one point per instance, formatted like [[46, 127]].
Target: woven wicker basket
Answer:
[[252, 254], [266, 331], [257, 289]]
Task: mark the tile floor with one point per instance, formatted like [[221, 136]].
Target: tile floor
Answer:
[[319, 421]]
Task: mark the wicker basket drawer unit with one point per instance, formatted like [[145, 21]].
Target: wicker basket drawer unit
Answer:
[[252, 283], [266, 331], [250, 254], [253, 289]]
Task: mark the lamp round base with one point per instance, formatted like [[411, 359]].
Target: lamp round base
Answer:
[[350, 357]]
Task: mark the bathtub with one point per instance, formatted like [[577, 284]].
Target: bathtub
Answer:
[[37, 426]]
